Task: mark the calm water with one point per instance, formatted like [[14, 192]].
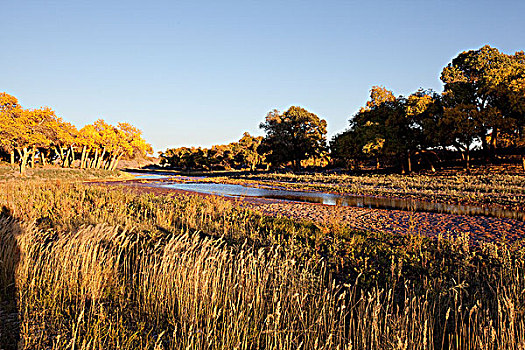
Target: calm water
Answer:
[[334, 199]]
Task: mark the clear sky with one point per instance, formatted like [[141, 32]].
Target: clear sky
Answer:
[[198, 73]]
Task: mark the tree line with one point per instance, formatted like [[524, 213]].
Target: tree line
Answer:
[[480, 110], [482, 107], [28, 136], [236, 155], [293, 136]]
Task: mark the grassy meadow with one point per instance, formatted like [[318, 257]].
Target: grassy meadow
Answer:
[[89, 267], [12, 173]]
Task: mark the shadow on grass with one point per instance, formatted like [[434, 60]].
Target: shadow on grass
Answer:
[[9, 259]]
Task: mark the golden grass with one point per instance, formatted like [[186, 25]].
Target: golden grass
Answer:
[[51, 172], [99, 269]]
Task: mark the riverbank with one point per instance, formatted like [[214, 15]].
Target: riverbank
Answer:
[[477, 228], [498, 188], [490, 189]]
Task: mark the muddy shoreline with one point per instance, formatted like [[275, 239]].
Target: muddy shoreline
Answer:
[[382, 220]]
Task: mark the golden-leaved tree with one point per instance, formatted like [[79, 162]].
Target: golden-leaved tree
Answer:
[[9, 112], [31, 135]]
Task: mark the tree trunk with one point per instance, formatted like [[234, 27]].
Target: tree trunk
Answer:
[[431, 165], [83, 157], [295, 165], [493, 143], [115, 163], [33, 152], [24, 155], [62, 158], [72, 155], [43, 157], [485, 148], [409, 162], [12, 153], [101, 158], [467, 160], [60, 154], [112, 159], [378, 165], [95, 159], [523, 162], [65, 162], [87, 159], [56, 152]]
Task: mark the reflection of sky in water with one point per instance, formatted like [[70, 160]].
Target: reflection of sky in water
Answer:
[[148, 176], [229, 190]]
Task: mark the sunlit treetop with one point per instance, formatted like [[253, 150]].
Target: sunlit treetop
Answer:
[[378, 96], [7, 101]]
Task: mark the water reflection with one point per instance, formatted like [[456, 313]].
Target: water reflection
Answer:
[[229, 190]]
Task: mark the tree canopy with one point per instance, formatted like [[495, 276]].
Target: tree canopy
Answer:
[[244, 154], [293, 136], [482, 105], [30, 134]]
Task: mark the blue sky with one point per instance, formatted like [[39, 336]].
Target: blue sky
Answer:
[[198, 73]]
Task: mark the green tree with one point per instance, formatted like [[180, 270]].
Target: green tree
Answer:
[[384, 129], [462, 125], [346, 148], [248, 151], [293, 136], [424, 109], [489, 82]]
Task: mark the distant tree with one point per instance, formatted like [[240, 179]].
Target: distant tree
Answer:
[[131, 144], [424, 109], [104, 145], [462, 123], [379, 96], [346, 148], [10, 111], [384, 129], [63, 138], [29, 135], [90, 140], [32, 132], [293, 136], [242, 154], [248, 151], [513, 88], [490, 83]]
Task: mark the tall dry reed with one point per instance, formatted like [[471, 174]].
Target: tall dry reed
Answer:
[[102, 287], [160, 276]]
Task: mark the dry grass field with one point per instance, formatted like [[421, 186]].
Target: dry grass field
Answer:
[[89, 267]]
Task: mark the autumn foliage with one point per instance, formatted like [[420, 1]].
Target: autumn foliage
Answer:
[[28, 136]]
